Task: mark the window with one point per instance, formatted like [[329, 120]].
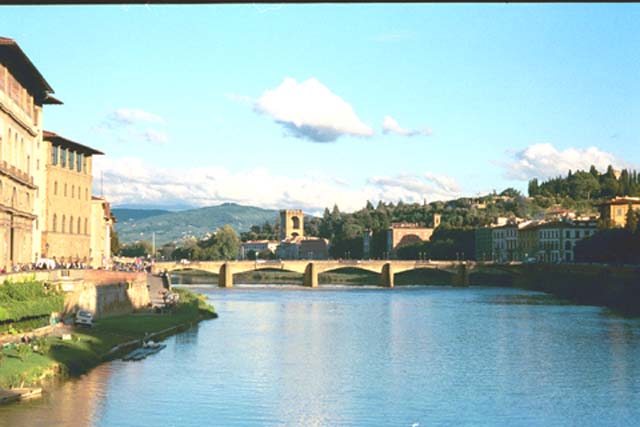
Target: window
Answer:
[[79, 162], [73, 191], [63, 158], [619, 212], [71, 225], [54, 155], [79, 231], [64, 220], [86, 194], [71, 159], [55, 188], [65, 189], [85, 226], [567, 234], [54, 226]]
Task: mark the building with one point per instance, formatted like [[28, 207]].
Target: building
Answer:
[[504, 241], [67, 214], [615, 210], [314, 248], [257, 247], [483, 244], [23, 93], [403, 233], [557, 239], [102, 221], [291, 223], [528, 240], [289, 248]]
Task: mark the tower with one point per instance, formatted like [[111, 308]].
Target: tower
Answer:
[[291, 223]]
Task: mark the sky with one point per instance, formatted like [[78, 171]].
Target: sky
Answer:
[[310, 105]]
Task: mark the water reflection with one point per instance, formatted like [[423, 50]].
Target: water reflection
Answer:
[[368, 357]]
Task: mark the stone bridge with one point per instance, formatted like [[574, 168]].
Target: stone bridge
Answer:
[[311, 269]]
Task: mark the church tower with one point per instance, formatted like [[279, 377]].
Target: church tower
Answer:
[[291, 223]]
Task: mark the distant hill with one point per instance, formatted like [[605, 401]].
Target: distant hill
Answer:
[[140, 224], [126, 214]]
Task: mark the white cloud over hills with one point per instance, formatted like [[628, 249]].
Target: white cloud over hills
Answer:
[[130, 181], [309, 110], [544, 161]]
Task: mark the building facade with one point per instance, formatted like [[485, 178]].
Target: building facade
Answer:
[[483, 244], [314, 248], [291, 223], [67, 216], [257, 246], [404, 233], [504, 240], [615, 210], [102, 221], [23, 92]]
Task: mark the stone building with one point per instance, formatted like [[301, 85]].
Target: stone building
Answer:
[[615, 210], [23, 93], [291, 223], [314, 248], [67, 214], [102, 221], [402, 233], [256, 247]]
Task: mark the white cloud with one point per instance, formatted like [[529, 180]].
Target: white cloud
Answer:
[[128, 116], [390, 125], [309, 110], [414, 188], [154, 136], [131, 181], [545, 161], [129, 124]]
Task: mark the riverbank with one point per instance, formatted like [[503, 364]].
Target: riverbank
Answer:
[[27, 365]]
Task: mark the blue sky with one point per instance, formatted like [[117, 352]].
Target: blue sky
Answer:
[[308, 105]]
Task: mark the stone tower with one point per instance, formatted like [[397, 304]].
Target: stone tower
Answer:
[[291, 223]]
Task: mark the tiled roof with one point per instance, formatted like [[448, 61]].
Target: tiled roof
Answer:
[[54, 137]]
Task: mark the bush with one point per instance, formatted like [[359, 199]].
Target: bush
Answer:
[[28, 299]]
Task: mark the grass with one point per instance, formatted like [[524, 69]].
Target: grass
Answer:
[[90, 346]]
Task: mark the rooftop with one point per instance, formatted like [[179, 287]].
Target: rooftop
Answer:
[[64, 142], [23, 69]]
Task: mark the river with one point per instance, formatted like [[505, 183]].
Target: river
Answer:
[[339, 356]]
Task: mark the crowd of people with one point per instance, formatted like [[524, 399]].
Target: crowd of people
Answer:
[[135, 265]]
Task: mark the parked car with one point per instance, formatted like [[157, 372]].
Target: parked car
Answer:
[[84, 318]]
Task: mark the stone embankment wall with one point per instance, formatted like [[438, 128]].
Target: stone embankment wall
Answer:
[[107, 293], [617, 287]]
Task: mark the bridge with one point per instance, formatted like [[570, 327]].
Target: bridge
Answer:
[[311, 269]]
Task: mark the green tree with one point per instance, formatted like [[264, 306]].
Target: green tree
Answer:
[[631, 224], [115, 243], [227, 242]]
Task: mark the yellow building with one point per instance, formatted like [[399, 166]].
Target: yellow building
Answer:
[[615, 210], [66, 217], [102, 221], [23, 92]]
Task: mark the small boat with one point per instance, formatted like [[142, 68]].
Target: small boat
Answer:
[[147, 349]]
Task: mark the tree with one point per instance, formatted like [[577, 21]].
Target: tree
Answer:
[[631, 224], [115, 243], [534, 188]]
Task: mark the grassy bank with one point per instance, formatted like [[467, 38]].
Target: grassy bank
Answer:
[[25, 365]]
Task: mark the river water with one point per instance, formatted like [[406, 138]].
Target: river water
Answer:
[[410, 356]]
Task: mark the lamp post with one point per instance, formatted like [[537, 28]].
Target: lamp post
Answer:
[[46, 247]]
